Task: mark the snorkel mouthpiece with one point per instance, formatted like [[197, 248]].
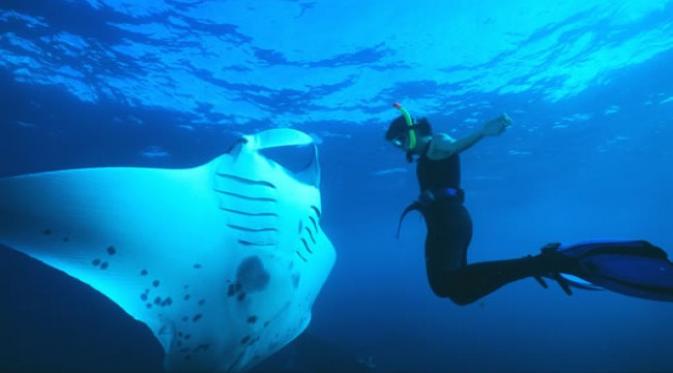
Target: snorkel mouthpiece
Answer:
[[410, 125]]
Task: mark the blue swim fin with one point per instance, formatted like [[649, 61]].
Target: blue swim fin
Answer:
[[634, 268]]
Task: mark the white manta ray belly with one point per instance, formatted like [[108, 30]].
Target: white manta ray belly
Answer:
[[223, 262]]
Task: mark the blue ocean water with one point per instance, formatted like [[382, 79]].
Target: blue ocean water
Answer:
[[588, 84]]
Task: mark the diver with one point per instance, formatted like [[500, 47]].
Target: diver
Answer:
[[635, 268]]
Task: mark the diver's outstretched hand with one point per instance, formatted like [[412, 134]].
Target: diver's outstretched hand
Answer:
[[497, 126]]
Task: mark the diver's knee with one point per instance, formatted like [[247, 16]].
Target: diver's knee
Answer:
[[457, 295], [452, 293]]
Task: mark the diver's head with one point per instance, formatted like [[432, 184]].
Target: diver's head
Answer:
[[407, 134]]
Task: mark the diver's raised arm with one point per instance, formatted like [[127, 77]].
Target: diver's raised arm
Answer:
[[444, 146]]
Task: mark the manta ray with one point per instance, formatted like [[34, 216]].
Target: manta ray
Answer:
[[222, 262]]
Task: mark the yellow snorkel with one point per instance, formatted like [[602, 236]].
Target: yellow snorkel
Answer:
[[410, 125]]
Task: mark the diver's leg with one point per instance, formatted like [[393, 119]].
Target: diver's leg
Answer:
[[446, 253]]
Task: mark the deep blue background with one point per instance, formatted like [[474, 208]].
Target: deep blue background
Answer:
[[606, 177]]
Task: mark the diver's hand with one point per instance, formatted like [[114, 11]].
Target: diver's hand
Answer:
[[497, 126]]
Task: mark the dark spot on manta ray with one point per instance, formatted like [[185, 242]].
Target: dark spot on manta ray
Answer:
[[104, 265], [202, 347], [148, 305], [167, 302], [187, 296], [157, 300], [245, 339], [143, 296], [111, 250], [46, 232], [197, 317], [143, 272], [96, 262], [252, 319], [252, 275], [197, 266], [202, 302], [295, 280], [188, 336], [155, 283], [266, 323], [234, 289], [66, 239], [241, 297]]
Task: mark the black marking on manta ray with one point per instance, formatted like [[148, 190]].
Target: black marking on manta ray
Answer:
[[266, 323], [247, 181], [310, 234], [197, 266], [104, 265], [301, 225], [155, 283], [157, 301], [315, 225], [301, 256], [148, 305], [143, 272], [245, 213], [197, 317], [317, 211], [188, 336], [66, 239], [252, 319], [202, 302], [295, 280], [111, 250], [186, 297], [47, 232], [245, 339], [249, 243], [166, 302], [95, 262], [306, 246], [252, 275], [202, 347], [241, 297], [253, 230], [234, 289], [248, 198]]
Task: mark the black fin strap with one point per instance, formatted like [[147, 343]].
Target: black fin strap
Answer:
[[413, 206]]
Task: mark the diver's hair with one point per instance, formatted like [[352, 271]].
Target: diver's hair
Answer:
[[399, 126]]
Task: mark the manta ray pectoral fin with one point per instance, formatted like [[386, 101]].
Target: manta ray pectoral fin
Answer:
[[197, 254]]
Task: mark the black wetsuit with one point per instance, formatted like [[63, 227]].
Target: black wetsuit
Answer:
[[449, 234]]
